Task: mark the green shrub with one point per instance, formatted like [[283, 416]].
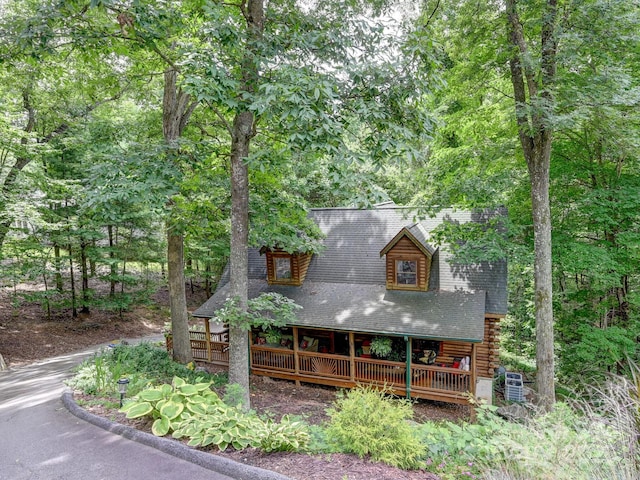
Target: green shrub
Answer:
[[97, 375], [233, 395], [366, 421], [89, 379]]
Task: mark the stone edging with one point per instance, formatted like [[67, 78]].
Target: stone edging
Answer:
[[224, 466]]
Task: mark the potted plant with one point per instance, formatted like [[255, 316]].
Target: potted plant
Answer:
[[273, 336], [381, 347]]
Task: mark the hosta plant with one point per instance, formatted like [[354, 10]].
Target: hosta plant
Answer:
[[168, 405], [195, 412]]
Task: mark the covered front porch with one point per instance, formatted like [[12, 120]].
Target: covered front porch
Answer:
[[337, 358]]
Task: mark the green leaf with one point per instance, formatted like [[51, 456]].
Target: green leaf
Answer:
[[152, 395], [139, 409], [178, 382], [171, 410], [160, 427], [166, 389], [197, 408], [201, 387], [188, 390]]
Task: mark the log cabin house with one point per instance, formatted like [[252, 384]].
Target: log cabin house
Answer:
[[379, 275]]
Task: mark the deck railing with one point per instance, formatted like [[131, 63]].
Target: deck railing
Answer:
[[215, 351], [426, 381], [324, 365], [380, 372], [428, 377], [269, 358]]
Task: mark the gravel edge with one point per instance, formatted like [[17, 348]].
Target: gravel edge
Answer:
[[209, 461]]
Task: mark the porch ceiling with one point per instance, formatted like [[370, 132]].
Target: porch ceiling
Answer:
[[374, 309]]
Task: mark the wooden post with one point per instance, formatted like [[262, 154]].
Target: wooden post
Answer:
[[352, 356], [207, 334], [408, 340], [473, 378], [296, 359], [474, 369]]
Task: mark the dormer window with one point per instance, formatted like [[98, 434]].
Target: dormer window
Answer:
[[406, 272], [285, 268], [282, 267], [408, 260]]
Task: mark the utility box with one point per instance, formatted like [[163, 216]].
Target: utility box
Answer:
[[513, 387]]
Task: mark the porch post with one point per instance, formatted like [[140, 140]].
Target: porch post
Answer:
[[408, 341], [207, 335], [296, 359], [352, 356], [474, 369]]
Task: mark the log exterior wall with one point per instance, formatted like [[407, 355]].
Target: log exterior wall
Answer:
[[488, 350]]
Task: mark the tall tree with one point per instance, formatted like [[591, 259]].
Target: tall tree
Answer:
[[177, 107], [145, 37], [533, 91], [587, 97], [273, 74], [242, 132], [54, 85]]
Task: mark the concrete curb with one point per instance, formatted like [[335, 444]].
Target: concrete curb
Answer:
[[209, 461]]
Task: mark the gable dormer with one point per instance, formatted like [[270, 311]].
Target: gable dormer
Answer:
[[284, 268], [408, 259]]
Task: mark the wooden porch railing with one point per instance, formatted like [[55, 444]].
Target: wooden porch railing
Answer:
[[324, 365], [215, 351], [269, 358], [426, 381], [381, 372]]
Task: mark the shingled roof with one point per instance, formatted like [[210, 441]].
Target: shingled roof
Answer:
[[345, 284]]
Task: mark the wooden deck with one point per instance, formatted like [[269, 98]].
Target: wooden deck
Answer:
[[431, 382]]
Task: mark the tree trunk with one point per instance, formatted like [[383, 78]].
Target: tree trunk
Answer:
[[92, 260], [532, 89], [241, 135], [178, 299], [84, 266], [112, 266], [58, 267], [74, 309], [207, 279], [176, 111], [539, 173], [238, 337]]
